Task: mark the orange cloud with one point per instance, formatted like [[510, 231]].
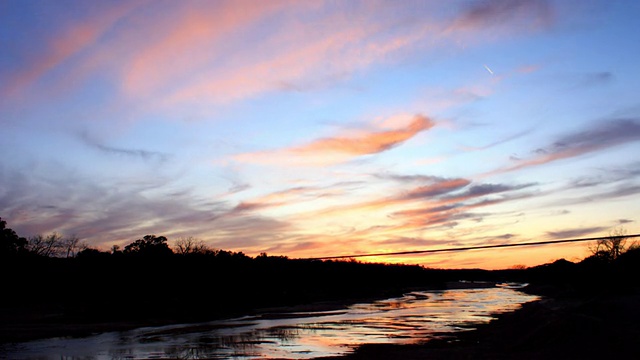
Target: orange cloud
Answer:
[[338, 149], [370, 143]]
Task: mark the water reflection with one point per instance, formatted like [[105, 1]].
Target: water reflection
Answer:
[[416, 316]]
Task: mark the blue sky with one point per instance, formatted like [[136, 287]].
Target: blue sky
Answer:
[[315, 128]]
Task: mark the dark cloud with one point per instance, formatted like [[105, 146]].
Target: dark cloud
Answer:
[[428, 210], [575, 233], [625, 221], [605, 176], [415, 242], [621, 191], [137, 153], [601, 135], [586, 182], [409, 178], [631, 170], [596, 78], [604, 134], [437, 188], [133, 153], [487, 13], [624, 190], [488, 189], [492, 239], [238, 187], [504, 236]]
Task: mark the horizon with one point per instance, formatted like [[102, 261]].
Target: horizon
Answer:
[[313, 129]]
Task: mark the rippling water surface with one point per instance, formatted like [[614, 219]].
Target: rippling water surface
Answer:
[[416, 316]]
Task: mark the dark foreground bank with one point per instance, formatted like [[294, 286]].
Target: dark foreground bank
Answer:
[[599, 327]]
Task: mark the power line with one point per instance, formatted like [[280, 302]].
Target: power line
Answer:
[[474, 247]]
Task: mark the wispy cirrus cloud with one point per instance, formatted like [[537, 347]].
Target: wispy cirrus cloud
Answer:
[[341, 148], [331, 47], [127, 152], [595, 78], [73, 38], [600, 136], [490, 13], [138, 153], [188, 42], [436, 203], [120, 212], [574, 233], [283, 198], [434, 189], [498, 142], [161, 55]]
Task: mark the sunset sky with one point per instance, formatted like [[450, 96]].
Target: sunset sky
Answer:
[[319, 128]]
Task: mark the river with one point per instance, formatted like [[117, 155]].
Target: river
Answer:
[[415, 316]]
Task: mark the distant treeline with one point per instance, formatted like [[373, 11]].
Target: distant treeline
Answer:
[[147, 280]]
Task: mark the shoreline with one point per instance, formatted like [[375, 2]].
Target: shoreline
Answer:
[[47, 325], [553, 327], [597, 327], [41, 329]]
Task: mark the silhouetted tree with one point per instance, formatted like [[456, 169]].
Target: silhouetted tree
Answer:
[[150, 245], [10, 243], [72, 245], [610, 248], [48, 246], [191, 245]]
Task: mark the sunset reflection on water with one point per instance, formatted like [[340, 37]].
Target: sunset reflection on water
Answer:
[[414, 317]]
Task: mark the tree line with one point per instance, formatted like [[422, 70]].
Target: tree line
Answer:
[[55, 245]]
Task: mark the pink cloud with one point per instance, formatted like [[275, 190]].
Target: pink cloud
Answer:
[[299, 55], [189, 41], [66, 43], [217, 52]]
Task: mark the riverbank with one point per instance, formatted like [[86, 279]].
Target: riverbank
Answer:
[[293, 332], [21, 324], [28, 324], [598, 327]]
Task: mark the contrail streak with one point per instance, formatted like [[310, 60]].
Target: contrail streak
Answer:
[[488, 69]]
